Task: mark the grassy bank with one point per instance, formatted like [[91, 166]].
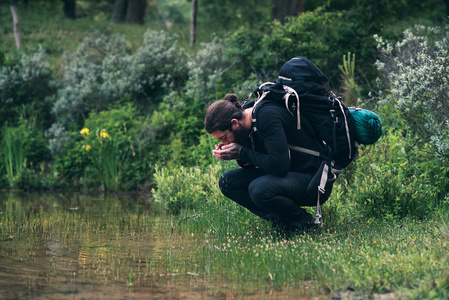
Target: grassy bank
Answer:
[[225, 248], [408, 257]]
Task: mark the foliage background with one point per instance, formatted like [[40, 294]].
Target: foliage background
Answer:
[[148, 89], [97, 107]]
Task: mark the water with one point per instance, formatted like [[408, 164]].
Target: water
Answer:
[[71, 246]]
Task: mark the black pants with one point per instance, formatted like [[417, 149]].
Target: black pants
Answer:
[[274, 198]]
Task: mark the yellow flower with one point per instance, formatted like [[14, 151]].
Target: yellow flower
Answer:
[[104, 134], [87, 147], [85, 131]]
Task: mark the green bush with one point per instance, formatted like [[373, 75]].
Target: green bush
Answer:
[[82, 79], [107, 151], [177, 124], [323, 35], [25, 86], [24, 152], [209, 73], [72, 161], [391, 179], [180, 188], [415, 69], [103, 73], [318, 35]]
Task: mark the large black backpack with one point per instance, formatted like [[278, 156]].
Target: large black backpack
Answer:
[[303, 89]]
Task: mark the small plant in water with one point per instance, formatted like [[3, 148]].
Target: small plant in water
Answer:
[[130, 278]]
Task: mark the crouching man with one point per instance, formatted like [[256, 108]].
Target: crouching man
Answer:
[[272, 182]]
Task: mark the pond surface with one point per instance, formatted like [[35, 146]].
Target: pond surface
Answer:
[[70, 246]]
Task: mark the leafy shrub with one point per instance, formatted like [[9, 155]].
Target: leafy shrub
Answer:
[[83, 77], [308, 35], [72, 164], [317, 35], [390, 180], [416, 69], [170, 135], [57, 137], [180, 188], [106, 151], [25, 86], [159, 66], [201, 153], [208, 72], [103, 72], [178, 122], [323, 35]]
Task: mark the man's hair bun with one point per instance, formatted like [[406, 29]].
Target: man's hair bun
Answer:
[[233, 99]]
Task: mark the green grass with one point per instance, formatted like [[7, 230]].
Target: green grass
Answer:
[[406, 257], [56, 33], [44, 24], [226, 247]]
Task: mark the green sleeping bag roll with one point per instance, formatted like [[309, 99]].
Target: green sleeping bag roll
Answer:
[[367, 124]]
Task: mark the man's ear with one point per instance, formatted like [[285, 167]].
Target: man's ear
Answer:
[[235, 124]]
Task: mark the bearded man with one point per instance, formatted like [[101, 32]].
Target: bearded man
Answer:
[[272, 181]]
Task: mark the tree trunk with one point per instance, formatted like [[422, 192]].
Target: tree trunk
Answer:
[[285, 8], [193, 22], [136, 11], [70, 8], [15, 18], [119, 12], [25, 4]]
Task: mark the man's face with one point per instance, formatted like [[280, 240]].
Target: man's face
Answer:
[[226, 137], [237, 135]]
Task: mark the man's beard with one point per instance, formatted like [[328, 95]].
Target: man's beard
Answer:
[[241, 136]]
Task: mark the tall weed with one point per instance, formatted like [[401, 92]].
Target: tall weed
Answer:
[[14, 154]]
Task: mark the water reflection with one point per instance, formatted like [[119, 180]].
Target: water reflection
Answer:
[[57, 246]]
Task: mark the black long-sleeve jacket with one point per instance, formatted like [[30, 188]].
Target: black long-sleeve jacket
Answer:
[[276, 128]]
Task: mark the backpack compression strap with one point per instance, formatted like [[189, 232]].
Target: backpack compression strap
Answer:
[[322, 178], [290, 92], [346, 125]]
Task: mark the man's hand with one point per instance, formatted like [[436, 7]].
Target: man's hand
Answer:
[[227, 152]]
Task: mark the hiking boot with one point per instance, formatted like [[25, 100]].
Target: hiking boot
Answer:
[[287, 229], [312, 227]]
